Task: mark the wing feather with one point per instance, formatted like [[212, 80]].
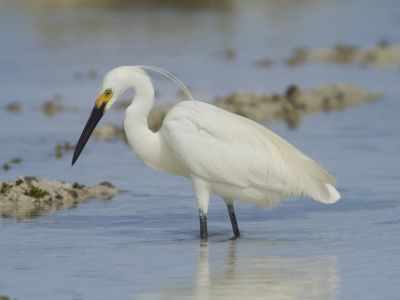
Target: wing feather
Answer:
[[223, 147]]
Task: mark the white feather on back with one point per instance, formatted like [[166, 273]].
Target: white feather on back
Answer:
[[222, 147]]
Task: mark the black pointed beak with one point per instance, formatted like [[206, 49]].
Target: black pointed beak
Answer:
[[95, 116]]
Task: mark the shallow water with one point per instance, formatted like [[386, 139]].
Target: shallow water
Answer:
[[143, 244]]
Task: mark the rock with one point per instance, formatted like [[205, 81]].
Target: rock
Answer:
[[33, 196]]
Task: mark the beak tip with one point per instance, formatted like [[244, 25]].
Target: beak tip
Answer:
[[74, 159], [96, 115]]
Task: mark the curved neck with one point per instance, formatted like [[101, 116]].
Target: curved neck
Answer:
[[149, 146], [141, 139], [143, 100]]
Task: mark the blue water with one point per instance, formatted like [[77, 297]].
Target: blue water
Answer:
[[144, 243]]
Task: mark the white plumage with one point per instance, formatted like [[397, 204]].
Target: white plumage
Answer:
[[241, 159], [220, 152]]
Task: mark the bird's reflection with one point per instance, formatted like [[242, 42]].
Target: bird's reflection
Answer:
[[239, 276]]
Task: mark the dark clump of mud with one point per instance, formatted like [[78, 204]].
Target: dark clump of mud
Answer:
[[28, 197], [229, 54], [14, 161], [299, 56], [61, 149], [13, 107], [109, 132], [6, 167], [382, 55], [50, 108], [54, 106]]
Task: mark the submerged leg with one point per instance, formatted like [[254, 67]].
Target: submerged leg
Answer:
[[203, 224], [202, 192], [232, 216]]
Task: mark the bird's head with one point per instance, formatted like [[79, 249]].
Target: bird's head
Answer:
[[115, 83]]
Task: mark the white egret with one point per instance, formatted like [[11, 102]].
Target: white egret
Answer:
[[220, 152]]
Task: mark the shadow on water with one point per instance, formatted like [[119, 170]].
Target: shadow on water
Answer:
[[235, 276]]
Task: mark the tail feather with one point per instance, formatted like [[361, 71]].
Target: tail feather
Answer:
[[327, 194]]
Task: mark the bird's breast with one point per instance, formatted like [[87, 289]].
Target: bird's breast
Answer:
[[151, 148]]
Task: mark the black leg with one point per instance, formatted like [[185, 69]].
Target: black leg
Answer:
[[203, 224], [234, 223]]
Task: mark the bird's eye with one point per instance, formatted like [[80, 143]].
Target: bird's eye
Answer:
[[108, 92]]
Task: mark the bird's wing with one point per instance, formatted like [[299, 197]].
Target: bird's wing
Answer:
[[219, 146]]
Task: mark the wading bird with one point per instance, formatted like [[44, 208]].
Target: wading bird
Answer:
[[220, 152]]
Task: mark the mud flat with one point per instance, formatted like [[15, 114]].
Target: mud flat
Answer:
[[28, 197], [294, 103], [383, 55]]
